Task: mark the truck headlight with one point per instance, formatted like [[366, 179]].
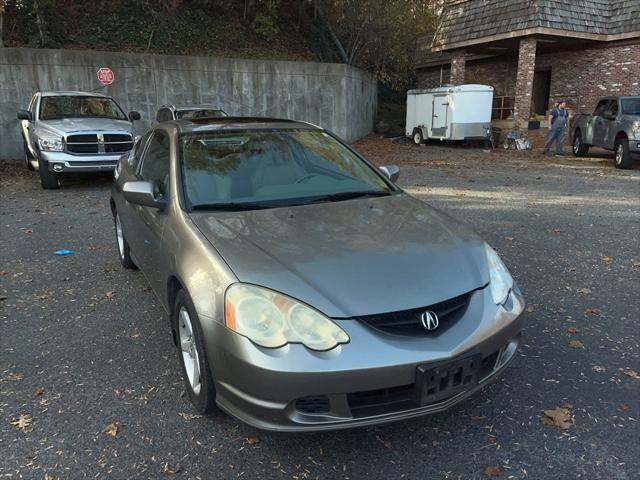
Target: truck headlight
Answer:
[[271, 319], [500, 281], [50, 144], [636, 131]]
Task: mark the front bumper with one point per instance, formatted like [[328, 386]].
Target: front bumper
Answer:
[[371, 380], [634, 146], [62, 162]]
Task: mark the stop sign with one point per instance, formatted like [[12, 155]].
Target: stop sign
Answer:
[[105, 75]]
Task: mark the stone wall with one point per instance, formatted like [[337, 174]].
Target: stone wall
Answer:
[[338, 97]]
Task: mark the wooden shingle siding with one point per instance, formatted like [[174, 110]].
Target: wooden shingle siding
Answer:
[[465, 20]]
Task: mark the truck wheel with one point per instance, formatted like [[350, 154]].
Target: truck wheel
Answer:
[[28, 158], [623, 155], [579, 149], [48, 180], [417, 136]]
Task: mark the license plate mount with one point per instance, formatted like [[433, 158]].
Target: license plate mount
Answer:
[[437, 382]]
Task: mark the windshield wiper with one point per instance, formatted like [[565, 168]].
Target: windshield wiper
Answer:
[[232, 206], [336, 197]]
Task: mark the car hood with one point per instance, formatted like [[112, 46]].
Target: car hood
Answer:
[[65, 126], [351, 258]]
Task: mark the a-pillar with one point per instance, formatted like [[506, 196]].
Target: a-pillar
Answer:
[[524, 81], [457, 66]]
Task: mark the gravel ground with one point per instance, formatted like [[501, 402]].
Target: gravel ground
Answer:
[[89, 378]]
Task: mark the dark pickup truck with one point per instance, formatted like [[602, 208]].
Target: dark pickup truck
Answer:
[[614, 125]]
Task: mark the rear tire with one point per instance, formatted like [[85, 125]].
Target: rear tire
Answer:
[[417, 137], [198, 379], [28, 158], [579, 149], [48, 180], [622, 154]]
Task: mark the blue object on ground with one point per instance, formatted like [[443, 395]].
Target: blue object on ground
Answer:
[[63, 252]]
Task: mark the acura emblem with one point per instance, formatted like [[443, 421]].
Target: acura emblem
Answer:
[[429, 320]]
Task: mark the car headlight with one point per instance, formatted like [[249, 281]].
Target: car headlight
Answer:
[[636, 131], [50, 144], [500, 281], [271, 319]]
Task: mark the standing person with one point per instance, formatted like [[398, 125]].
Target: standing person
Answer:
[[558, 119]]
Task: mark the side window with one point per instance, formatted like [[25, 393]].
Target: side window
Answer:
[[136, 152], [613, 107], [602, 106], [155, 162]]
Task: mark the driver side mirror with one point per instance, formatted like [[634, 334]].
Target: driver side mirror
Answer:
[[608, 114], [391, 171], [133, 115], [142, 193], [25, 115]]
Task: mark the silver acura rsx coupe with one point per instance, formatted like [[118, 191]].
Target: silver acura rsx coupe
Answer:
[[306, 291]]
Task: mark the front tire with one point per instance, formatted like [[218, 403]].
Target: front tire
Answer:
[[124, 252], [28, 158], [48, 180], [623, 155], [196, 372], [579, 149]]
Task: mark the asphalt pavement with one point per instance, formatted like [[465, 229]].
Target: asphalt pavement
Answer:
[[90, 383]]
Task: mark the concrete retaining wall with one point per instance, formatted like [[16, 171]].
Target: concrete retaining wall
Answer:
[[337, 97]]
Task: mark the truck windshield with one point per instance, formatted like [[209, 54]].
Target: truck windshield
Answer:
[[271, 168], [631, 106], [61, 106]]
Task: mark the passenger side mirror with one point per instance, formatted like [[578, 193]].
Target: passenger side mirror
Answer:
[[25, 115], [133, 115], [142, 193], [391, 171]]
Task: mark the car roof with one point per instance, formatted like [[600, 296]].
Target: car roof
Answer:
[[239, 123], [202, 106], [72, 93]]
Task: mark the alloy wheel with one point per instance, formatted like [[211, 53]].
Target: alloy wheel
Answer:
[[619, 154], [120, 237], [576, 145], [190, 356]]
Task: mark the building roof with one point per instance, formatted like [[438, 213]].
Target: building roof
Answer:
[[474, 21]]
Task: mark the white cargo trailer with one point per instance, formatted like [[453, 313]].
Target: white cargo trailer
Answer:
[[455, 112]]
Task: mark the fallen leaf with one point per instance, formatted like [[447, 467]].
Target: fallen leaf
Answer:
[[39, 392], [44, 294], [493, 470], [188, 416], [111, 429], [3, 298], [584, 290], [598, 368], [47, 477], [530, 308], [557, 230], [593, 311], [27, 231], [508, 238], [572, 330], [605, 259], [387, 444], [166, 468], [252, 440], [560, 416], [23, 422], [630, 373], [576, 344], [109, 295]]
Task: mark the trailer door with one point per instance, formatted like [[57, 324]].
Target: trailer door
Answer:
[[440, 116]]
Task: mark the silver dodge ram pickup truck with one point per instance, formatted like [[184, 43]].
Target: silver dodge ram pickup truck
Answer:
[[614, 125], [74, 132]]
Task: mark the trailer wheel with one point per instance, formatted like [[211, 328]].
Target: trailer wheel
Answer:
[[417, 136]]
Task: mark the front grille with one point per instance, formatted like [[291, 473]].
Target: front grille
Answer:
[[313, 404], [429, 389], [407, 322], [89, 143]]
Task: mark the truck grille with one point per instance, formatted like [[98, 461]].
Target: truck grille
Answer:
[[408, 322], [99, 143]]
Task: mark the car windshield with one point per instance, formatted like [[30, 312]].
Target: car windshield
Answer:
[[262, 169], [77, 106], [204, 113], [631, 106]]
